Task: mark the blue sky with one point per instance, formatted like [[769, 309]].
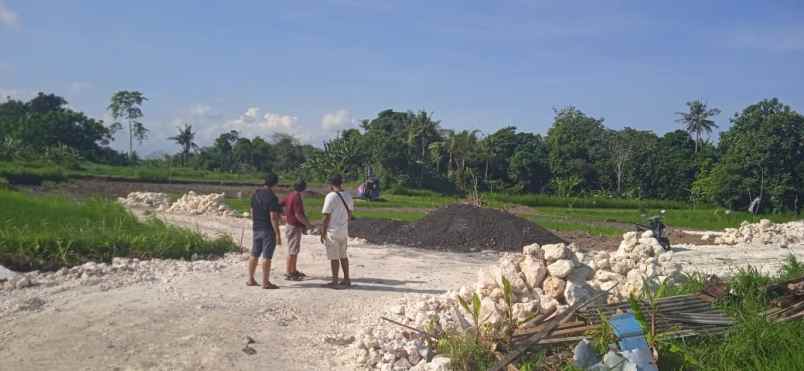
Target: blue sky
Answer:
[[312, 68]]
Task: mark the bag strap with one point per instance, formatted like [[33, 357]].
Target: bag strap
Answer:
[[344, 204]]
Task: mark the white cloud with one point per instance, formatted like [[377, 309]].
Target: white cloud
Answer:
[[7, 16], [337, 120], [200, 110], [77, 87], [251, 123]]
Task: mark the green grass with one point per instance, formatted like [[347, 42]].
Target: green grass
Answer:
[[48, 232], [165, 174], [754, 342], [30, 173], [562, 226], [542, 200]]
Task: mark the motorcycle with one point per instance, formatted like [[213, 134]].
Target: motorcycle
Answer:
[[655, 225]]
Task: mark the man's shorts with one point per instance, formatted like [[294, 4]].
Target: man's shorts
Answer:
[[264, 244], [336, 247], [293, 235]]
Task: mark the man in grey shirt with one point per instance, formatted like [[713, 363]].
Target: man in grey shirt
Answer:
[[265, 214]]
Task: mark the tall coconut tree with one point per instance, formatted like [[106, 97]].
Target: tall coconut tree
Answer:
[[696, 120], [185, 139]]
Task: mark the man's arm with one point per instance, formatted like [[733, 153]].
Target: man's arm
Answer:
[[303, 218], [275, 223], [324, 227]]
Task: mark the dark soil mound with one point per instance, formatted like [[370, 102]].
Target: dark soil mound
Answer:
[[458, 228], [374, 230]]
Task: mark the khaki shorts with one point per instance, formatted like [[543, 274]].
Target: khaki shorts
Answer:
[[336, 247], [293, 235]]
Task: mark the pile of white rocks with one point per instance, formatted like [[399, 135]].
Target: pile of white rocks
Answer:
[[153, 200], [763, 233], [121, 272], [192, 203], [637, 259], [545, 280]]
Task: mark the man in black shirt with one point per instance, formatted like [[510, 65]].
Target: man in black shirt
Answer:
[[265, 214]]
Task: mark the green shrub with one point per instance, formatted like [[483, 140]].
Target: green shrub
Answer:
[[466, 352], [49, 232], [25, 173]]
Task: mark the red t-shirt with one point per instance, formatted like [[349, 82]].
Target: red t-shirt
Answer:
[[292, 205]]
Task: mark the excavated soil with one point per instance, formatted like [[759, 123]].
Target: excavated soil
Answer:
[[462, 228]]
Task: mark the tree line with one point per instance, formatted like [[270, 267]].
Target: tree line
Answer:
[[760, 155]]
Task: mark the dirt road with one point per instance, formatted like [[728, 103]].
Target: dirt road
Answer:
[[184, 318]]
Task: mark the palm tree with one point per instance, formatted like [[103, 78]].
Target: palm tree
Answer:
[[185, 141], [697, 121]]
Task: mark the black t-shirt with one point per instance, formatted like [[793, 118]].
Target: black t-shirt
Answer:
[[262, 203]]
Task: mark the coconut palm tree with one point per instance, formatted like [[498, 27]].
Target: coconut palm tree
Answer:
[[185, 139], [697, 121]]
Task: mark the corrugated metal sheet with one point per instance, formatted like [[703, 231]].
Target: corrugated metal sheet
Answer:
[[676, 316]]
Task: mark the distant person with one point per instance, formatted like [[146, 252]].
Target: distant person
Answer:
[[297, 225], [265, 214], [338, 208]]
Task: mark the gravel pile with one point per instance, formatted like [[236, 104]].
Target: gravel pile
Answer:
[[545, 280], [121, 272], [152, 200], [463, 228], [763, 233]]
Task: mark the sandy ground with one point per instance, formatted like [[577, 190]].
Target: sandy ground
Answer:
[[198, 320]]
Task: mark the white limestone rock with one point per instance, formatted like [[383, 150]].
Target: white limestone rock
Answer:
[[555, 252], [561, 268], [534, 270]]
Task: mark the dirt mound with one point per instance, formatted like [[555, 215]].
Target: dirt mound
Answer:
[[457, 228]]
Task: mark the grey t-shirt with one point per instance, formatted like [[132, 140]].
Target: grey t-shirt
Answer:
[[263, 202]]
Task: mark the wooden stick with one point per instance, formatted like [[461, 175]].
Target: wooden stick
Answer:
[[409, 328]]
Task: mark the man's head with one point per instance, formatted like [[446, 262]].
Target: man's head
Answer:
[[300, 185], [335, 181], [271, 179]]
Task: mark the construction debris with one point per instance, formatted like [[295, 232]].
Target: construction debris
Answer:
[[763, 233], [545, 280]]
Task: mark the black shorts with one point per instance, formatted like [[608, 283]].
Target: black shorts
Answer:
[[264, 244]]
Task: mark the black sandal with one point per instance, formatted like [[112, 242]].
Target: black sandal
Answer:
[[270, 286]]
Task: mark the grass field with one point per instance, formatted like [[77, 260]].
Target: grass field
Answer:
[[365, 209], [48, 232], [165, 174], [601, 221]]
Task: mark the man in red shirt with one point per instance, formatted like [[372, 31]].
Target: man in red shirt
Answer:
[[297, 224]]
